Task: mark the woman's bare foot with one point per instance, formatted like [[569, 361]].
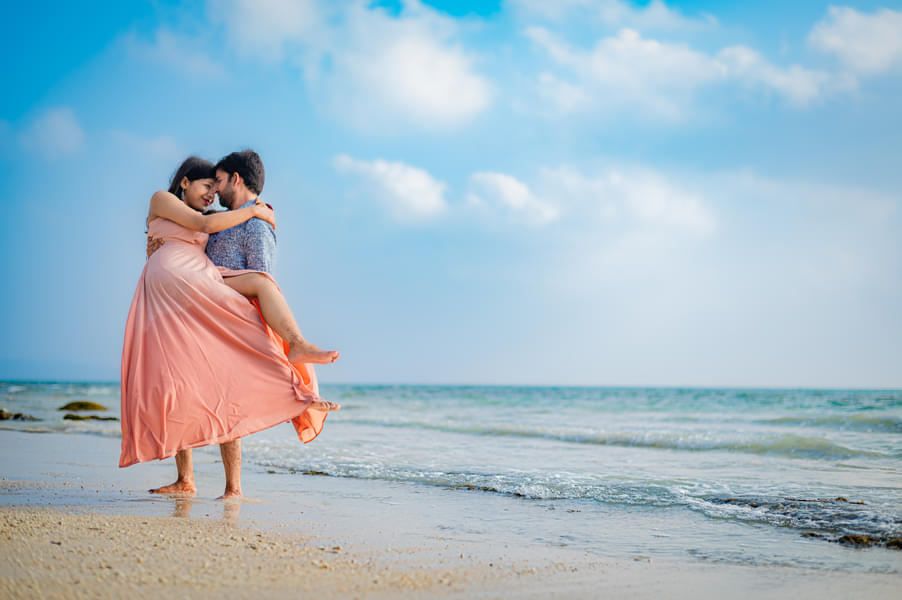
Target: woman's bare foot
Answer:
[[179, 488], [325, 405], [305, 352]]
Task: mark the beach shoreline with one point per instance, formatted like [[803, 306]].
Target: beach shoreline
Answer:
[[74, 525]]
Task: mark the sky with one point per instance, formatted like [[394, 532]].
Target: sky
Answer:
[[580, 192]]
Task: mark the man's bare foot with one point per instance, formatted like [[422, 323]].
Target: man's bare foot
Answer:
[[179, 488], [305, 352], [325, 405], [230, 494]]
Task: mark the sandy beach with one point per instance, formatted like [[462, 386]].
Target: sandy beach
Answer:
[[82, 528], [54, 553], [60, 553]]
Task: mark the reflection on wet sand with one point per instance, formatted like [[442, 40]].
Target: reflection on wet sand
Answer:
[[181, 507], [230, 510]]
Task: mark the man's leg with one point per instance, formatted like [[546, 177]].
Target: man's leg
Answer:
[[184, 484], [231, 462]]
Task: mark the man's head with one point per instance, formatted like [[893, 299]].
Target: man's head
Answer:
[[239, 178]]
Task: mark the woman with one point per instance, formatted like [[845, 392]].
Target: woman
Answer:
[[198, 365]]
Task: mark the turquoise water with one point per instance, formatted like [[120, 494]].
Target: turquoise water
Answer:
[[755, 476]]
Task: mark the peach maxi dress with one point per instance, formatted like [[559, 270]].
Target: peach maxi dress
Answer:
[[199, 365]]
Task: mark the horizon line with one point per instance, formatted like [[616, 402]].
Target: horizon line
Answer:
[[528, 385]]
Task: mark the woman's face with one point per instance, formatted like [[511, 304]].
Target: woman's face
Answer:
[[198, 194]]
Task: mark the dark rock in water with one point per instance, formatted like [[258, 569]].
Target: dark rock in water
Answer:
[[309, 472], [743, 501], [854, 539], [830, 515], [8, 416], [82, 405], [72, 417]]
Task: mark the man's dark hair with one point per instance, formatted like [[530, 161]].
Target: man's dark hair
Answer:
[[246, 163]]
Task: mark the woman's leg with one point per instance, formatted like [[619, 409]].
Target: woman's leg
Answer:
[[184, 484], [278, 315]]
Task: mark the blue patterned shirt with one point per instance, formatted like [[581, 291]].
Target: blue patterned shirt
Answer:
[[251, 245]]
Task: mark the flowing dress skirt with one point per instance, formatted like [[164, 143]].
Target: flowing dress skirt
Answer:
[[199, 364]]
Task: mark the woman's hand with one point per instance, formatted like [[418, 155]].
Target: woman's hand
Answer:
[[153, 244], [264, 211]]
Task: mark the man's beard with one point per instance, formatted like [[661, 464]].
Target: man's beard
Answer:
[[226, 198]]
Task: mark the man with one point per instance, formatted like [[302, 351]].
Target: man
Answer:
[[251, 245]]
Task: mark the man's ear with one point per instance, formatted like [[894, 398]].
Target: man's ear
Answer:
[[235, 179]]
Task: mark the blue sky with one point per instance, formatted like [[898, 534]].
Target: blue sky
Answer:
[[578, 193]]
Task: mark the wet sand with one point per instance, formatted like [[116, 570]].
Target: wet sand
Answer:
[[78, 527]]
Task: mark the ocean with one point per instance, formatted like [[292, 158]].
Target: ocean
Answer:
[[807, 478]]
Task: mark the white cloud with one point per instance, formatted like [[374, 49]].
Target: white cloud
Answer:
[[367, 67], [563, 95], [616, 13], [797, 269], [630, 198], [867, 44], [799, 86], [619, 200], [264, 27], [175, 52], [55, 133], [407, 76], [655, 15], [819, 238], [410, 194], [628, 72], [512, 194]]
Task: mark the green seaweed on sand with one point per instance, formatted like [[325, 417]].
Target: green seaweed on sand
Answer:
[[73, 417], [82, 405]]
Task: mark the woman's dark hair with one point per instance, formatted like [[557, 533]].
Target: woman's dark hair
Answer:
[[246, 163], [193, 168]]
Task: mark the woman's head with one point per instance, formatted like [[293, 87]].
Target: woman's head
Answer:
[[193, 183]]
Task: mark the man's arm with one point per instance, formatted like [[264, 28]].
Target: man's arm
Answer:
[[260, 245]]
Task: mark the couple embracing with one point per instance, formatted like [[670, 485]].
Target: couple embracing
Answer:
[[212, 351]]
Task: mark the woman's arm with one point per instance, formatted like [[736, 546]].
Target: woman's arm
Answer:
[[168, 206]]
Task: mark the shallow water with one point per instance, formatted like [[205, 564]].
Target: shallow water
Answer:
[[728, 475]]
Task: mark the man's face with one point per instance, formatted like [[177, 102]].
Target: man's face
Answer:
[[224, 188]]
